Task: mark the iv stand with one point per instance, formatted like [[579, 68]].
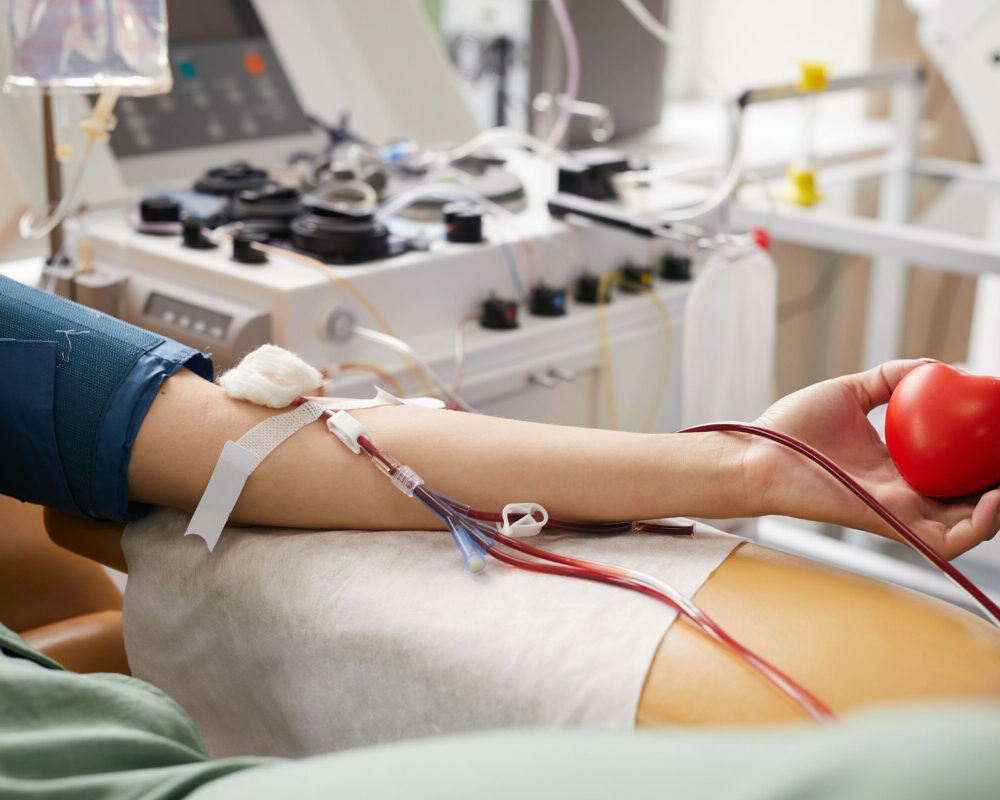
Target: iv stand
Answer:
[[53, 175]]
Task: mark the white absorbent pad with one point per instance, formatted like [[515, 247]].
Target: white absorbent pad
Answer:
[[292, 643]]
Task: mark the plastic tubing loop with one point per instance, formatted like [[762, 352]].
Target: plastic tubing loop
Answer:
[[988, 606], [572, 51]]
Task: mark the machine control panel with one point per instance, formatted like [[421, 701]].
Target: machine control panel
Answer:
[[229, 86]]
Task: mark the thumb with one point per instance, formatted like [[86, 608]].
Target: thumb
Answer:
[[874, 386]]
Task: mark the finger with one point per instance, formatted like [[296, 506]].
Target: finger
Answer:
[[981, 525], [874, 386]]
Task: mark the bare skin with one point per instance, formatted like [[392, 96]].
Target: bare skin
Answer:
[[312, 481]]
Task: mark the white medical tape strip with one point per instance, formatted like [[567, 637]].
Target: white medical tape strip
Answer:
[[237, 460], [525, 525]]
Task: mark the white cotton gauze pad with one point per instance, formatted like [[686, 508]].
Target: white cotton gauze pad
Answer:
[[271, 376]]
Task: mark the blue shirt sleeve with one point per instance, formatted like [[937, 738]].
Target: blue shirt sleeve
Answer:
[[78, 385]]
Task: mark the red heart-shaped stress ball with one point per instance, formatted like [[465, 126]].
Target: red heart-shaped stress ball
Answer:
[[942, 429]]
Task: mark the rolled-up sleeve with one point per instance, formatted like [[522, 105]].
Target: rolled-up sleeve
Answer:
[[78, 385]]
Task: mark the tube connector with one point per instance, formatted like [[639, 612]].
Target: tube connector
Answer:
[[406, 480], [472, 553], [98, 126]]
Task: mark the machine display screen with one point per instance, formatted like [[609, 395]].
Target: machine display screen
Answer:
[[198, 21]]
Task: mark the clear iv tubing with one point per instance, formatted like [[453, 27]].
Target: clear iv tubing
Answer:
[[401, 347], [503, 135], [727, 186], [447, 191], [484, 540], [985, 603], [28, 226], [572, 51]]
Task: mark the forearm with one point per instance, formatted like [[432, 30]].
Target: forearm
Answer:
[[313, 481]]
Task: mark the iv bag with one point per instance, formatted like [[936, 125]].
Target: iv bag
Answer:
[[88, 46], [730, 325]]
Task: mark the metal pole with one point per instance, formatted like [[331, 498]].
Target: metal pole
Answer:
[[889, 276], [53, 175]]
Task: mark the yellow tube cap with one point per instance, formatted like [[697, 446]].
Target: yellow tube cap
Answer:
[[800, 187], [812, 76]]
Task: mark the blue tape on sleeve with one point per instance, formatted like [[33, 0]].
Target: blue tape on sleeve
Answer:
[[126, 411], [104, 376]]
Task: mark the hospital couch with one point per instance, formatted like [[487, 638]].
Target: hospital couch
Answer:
[[62, 604], [853, 641]]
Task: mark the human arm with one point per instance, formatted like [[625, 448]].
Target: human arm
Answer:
[[313, 481]]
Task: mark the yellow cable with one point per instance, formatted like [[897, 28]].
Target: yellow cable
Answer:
[[604, 348], [339, 280], [661, 381], [383, 374]]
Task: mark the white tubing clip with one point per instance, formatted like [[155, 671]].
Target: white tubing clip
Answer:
[[526, 523], [347, 429]]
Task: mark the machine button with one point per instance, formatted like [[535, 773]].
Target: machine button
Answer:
[[187, 70], [547, 302], [184, 321], [254, 63], [498, 315], [199, 326]]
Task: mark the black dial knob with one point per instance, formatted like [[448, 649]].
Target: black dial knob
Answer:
[[339, 232], [498, 315], [243, 247], [634, 279], [546, 301], [675, 268], [268, 202], [463, 222], [235, 178], [588, 286], [159, 209], [193, 236]]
